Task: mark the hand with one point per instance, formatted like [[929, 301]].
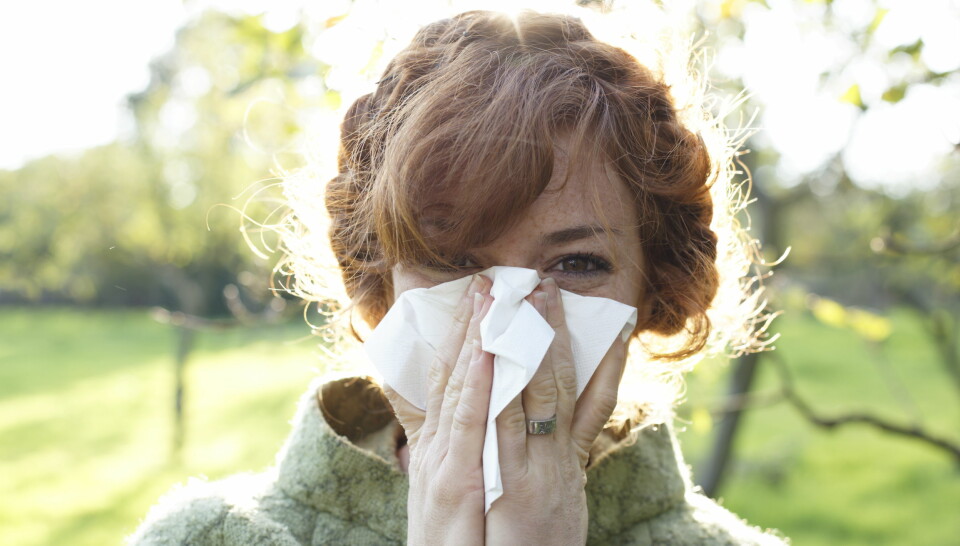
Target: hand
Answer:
[[445, 501], [544, 476]]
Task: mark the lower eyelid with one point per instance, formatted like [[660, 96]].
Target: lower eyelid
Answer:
[[574, 275], [582, 285]]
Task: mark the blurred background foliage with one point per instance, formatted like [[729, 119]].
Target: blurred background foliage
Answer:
[[870, 289], [153, 220]]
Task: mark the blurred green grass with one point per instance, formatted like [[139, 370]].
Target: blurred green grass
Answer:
[[85, 427], [851, 485], [86, 415]]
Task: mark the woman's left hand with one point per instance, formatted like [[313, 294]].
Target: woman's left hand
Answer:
[[544, 501]]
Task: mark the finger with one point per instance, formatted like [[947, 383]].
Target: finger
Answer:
[[470, 417], [599, 399], [560, 356], [512, 440], [539, 397], [451, 396], [410, 416], [446, 356]]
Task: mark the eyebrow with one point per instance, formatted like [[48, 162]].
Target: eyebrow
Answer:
[[575, 234]]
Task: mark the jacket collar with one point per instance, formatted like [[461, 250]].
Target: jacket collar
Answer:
[[320, 466]]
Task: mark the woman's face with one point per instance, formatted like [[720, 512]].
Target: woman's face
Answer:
[[583, 234]]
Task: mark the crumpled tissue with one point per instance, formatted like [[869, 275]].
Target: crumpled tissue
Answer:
[[403, 345]]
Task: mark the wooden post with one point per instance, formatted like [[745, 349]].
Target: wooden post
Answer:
[[185, 336], [715, 468]]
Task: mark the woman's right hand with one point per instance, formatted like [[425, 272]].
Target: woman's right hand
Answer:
[[445, 502]]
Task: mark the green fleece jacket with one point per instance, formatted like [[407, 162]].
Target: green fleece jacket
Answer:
[[336, 481]]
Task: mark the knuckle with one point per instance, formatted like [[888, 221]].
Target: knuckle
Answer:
[[566, 379], [545, 395], [464, 312], [462, 316], [513, 421], [446, 356], [603, 406], [457, 377], [471, 390], [543, 385], [463, 419], [437, 372], [451, 395]]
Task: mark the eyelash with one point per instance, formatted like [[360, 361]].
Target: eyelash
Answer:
[[600, 265]]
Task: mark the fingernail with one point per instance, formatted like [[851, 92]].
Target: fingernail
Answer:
[[549, 285], [474, 284], [540, 303], [477, 303]]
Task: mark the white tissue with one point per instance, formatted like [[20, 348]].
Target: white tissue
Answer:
[[403, 345]]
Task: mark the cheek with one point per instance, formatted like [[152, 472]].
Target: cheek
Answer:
[[627, 290], [629, 286], [405, 279]]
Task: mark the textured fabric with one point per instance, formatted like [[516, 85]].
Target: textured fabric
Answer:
[[330, 489]]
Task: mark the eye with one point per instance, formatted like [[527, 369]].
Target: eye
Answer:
[[463, 262], [582, 264], [577, 264]]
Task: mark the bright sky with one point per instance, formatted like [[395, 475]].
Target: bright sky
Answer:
[[68, 65], [896, 146]]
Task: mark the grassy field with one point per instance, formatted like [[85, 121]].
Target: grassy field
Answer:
[[852, 485], [85, 427]]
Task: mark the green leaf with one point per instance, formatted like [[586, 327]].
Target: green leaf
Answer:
[[829, 312], [852, 96], [870, 326], [895, 94], [913, 49], [878, 18]]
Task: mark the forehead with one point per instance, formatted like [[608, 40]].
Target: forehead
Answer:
[[584, 189]]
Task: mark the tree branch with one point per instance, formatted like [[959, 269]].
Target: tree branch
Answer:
[[897, 245], [916, 432]]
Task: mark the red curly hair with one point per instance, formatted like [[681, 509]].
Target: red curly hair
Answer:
[[470, 113]]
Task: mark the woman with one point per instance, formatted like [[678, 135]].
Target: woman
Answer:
[[493, 141]]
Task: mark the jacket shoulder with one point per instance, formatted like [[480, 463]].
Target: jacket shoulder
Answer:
[[211, 514], [700, 520]]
